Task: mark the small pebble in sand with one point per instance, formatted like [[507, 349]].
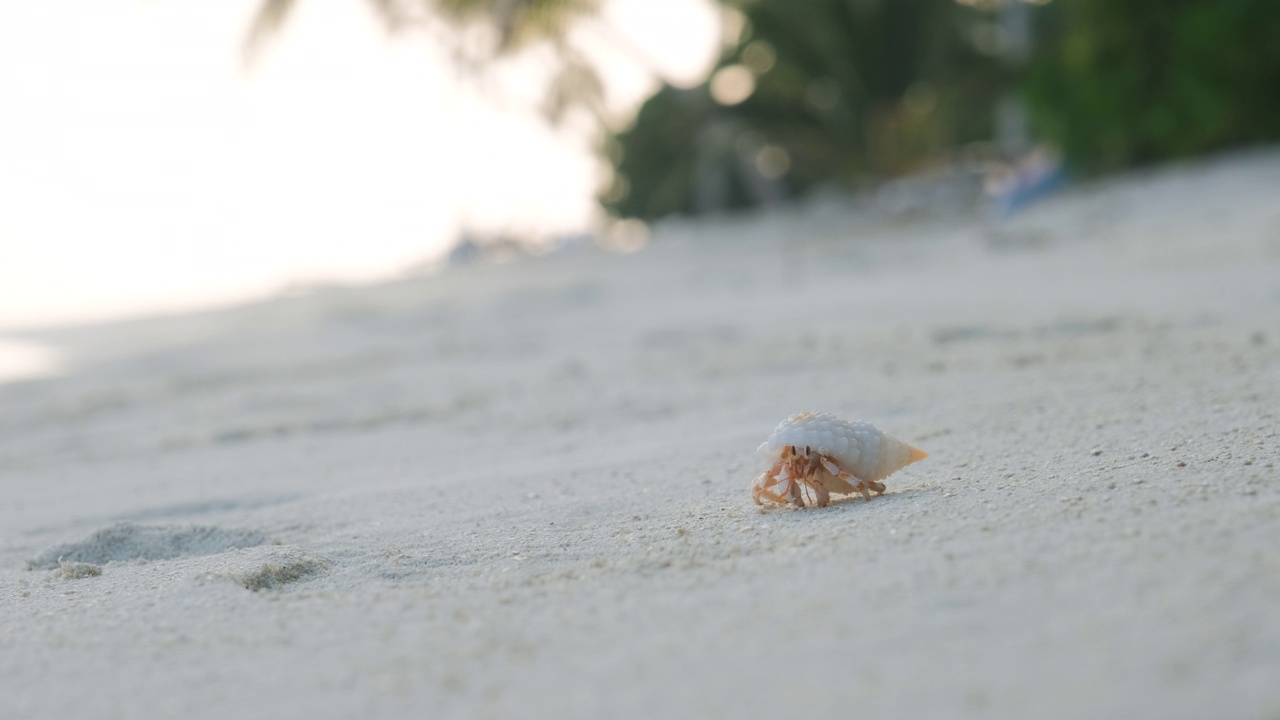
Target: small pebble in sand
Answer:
[[817, 454]]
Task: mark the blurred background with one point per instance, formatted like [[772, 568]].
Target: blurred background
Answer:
[[160, 156], [849, 94]]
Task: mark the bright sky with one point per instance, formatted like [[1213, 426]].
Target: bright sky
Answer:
[[144, 169]]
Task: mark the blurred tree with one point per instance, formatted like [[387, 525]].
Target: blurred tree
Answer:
[[1118, 83], [476, 33], [812, 91]]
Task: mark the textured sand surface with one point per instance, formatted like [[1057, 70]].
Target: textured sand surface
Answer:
[[522, 490]]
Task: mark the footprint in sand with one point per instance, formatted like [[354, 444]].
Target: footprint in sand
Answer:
[[254, 569], [123, 542]]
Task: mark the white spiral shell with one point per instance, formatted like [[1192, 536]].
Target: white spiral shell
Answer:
[[858, 447]]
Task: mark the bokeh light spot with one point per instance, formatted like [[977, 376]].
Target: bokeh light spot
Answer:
[[733, 84], [773, 162], [759, 56], [625, 236]]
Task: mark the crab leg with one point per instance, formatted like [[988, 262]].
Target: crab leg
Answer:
[[772, 497], [824, 496], [797, 497], [858, 484], [777, 475], [763, 488], [763, 483]]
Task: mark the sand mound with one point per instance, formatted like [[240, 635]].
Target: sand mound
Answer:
[[277, 574], [127, 541], [76, 570]]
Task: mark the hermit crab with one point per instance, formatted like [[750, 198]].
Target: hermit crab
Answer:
[[816, 454]]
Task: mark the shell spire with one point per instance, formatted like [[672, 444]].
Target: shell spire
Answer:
[[895, 455]]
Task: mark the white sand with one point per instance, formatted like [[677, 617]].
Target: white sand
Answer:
[[521, 490]]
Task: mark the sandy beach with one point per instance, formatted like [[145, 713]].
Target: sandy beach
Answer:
[[522, 490]]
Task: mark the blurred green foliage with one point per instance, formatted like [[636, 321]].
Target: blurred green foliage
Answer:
[[862, 90], [1119, 83], [845, 91]]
